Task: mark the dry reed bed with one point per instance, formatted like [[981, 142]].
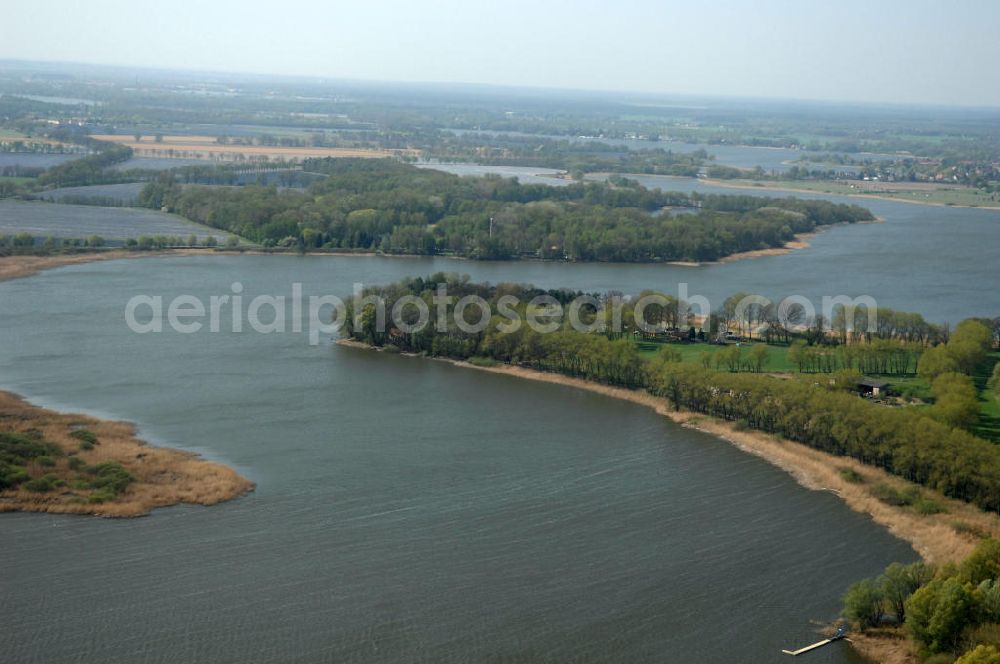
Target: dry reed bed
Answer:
[[163, 476]]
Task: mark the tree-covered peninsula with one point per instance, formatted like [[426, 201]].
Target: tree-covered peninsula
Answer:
[[929, 445], [393, 207]]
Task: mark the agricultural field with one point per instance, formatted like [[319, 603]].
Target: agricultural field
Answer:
[[81, 221], [926, 193], [207, 148], [122, 194], [155, 163], [35, 159]]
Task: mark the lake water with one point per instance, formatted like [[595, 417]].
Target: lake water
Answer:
[[406, 510]]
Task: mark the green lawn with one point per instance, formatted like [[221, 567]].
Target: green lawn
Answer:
[[913, 386], [15, 180], [989, 408]]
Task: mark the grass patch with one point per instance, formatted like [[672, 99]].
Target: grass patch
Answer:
[[890, 495], [777, 358], [482, 361], [988, 426], [86, 435], [927, 506], [852, 476], [910, 496]]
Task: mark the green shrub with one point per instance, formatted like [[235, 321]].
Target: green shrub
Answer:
[[84, 435], [937, 614], [892, 496], [982, 564], [852, 476], [110, 476], [927, 506], [42, 484], [982, 654], [45, 461], [11, 475], [864, 603], [102, 496], [16, 447], [482, 361], [75, 463], [390, 348]]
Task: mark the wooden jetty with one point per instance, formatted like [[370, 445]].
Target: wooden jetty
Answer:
[[819, 644]]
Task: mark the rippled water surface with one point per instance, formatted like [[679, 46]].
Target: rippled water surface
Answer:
[[406, 510]]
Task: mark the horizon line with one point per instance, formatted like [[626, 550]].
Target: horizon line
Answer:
[[326, 79]]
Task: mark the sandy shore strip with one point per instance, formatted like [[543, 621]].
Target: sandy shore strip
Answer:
[[162, 476], [18, 267], [934, 537]]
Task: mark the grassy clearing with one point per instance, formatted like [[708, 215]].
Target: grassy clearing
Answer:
[[15, 180], [777, 361], [911, 387], [989, 407]]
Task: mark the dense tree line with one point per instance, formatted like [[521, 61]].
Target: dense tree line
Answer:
[[87, 170], [880, 356], [394, 207], [952, 609], [577, 156], [917, 445]]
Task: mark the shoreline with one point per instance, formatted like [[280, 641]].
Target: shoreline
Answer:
[[933, 537], [801, 241], [162, 476], [21, 266]]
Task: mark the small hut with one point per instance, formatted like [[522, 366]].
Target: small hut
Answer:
[[870, 387]]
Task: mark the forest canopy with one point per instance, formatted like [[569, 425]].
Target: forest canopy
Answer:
[[389, 206]]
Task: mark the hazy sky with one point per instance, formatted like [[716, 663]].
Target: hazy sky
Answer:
[[864, 50]]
